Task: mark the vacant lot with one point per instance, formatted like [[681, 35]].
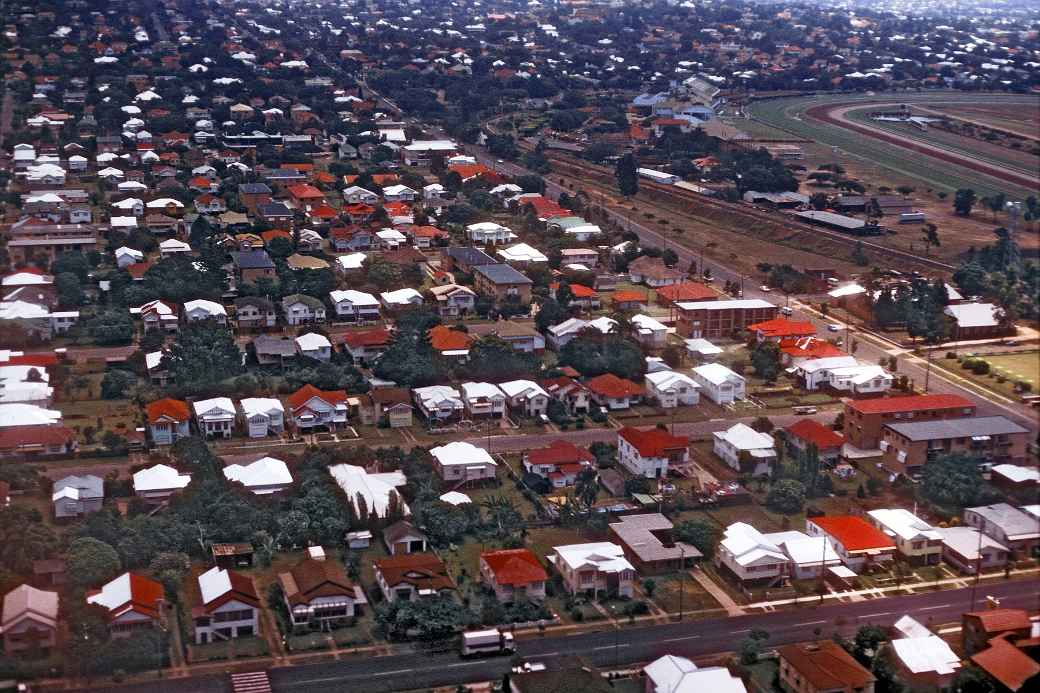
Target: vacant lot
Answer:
[[1015, 367]]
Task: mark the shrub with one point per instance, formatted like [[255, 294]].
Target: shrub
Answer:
[[951, 354], [1024, 385], [980, 367]]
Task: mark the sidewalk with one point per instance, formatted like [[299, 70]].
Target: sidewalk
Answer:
[[719, 594]]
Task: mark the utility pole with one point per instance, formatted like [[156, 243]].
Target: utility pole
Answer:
[[927, 368], [978, 569], [682, 578]]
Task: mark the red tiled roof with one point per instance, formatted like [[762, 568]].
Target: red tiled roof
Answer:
[[582, 291], [854, 533], [809, 347], [628, 296], [467, 171], [514, 566], [323, 212], [559, 452], [653, 442], [609, 385], [16, 437], [891, 405], [137, 269], [41, 359], [145, 594], [172, 408], [1001, 620], [426, 232], [443, 338], [816, 433], [307, 392], [269, 236], [378, 336], [782, 327], [687, 291], [1009, 665], [305, 191]]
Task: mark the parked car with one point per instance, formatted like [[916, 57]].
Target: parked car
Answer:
[[835, 327]]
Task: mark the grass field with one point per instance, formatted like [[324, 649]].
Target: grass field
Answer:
[[1023, 119], [1020, 366], [789, 115]]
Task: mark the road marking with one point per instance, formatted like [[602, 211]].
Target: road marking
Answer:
[[347, 676], [460, 664], [941, 606], [610, 647], [883, 613], [810, 623], [742, 630], [688, 637]]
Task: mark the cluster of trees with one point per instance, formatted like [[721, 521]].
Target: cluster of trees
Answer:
[[953, 482], [593, 353], [998, 273], [919, 306]]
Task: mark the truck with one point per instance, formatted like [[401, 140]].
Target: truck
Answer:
[[487, 642]]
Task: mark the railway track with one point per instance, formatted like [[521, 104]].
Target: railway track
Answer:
[[725, 213]]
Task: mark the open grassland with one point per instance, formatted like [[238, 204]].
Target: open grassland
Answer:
[[789, 115], [1023, 119]]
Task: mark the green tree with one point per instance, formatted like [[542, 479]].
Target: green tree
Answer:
[[550, 313], [203, 355], [972, 679], [765, 359], [930, 236], [786, 496], [70, 291], [593, 353], [111, 327], [955, 481], [91, 562], [627, 176], [116, 384], [963, 201], [24, 539], [700, 533]]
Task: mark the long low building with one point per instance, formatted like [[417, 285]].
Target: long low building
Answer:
[[722, 318], [906, 447]]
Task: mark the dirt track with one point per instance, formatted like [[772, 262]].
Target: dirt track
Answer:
[[834, 114]]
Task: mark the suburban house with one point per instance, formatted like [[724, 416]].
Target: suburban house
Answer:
[[301, 309], [572, 394], [273, 351], [483, 400], [977, 321], [513, 574], [970, 551], [252, 265], [403, 537], [751, 557], [822, 667], [612, 392], [134, 602], [859, 544], [711, 319], [265, 476], [805, 433], [674, 674], [525, 397], [521, 336], [202, 309], [355, 306], [157, 483], [168, 420], [263, 416], [76, 496], [413, 576], [439, 402], [29, 620], [745, 449], [650, 333], [318, 592], [215, 417], [228, 606], [461, 463], [452, 300], [865, 419], [390, 403], [366, 346], [653, 272], [502, 282], [649, 452], [920, 658], [377, 491], [781, 328], [312, 408], [650, 546], [489, 233], [916, 540], [908, 446], [979, 628], [671, 389], [560, 462], [718, 383], [253, 312], [560, 335], [595, 568], [1017, 530], [315, 346], [843, 374]]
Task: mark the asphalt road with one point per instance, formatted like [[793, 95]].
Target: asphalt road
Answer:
[[409, 668]]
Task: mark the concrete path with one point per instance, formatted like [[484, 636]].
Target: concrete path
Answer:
[[719, 594]]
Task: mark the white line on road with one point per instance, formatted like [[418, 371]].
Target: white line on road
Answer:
[[460, 664], [742, 630], [340, 678], [810, 623], [610, 647], [688, 637], [941, 606], [883, 613]]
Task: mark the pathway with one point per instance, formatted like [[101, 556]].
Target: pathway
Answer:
[[720, 595]]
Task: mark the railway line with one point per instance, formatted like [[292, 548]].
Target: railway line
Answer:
[[736, 216]]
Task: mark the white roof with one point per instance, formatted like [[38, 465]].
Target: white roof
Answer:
[[486, 226], [17, 414], [717, 374], [174, 244], [1017, 473], [161, 202], [645, 324], [967, 541], [456, 498], [477, 390], [828, 363], [123, 250], [846, 290], [204, 406], [267, 471], [528, 388], [748, 545], [401, 297], [22, 310], [374, 488], [211, 307], [673, 674], [312, 341], [214, 583], [152, 359], [430, 145], [27, 279], [522, 252], [743, 437], [605, 556], [974, 314], [434, 395], [904, 524], [725, 305], [357, 298], [461, 453], [113, 594], [921, 651], [663, 380], [804, 550], [603, 324], [397, 190], [351, 261], [260, 405], [702, 346], [161, 477], [391, 235]]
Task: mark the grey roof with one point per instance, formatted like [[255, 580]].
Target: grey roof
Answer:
[[470, 256], [276, 209], [309, 301], [260, 302], [254, 188], [637, 533], [253, 259], [832, 219], [1014, 523], [88, 485], [267, 344], [957, 428], [502, 274]]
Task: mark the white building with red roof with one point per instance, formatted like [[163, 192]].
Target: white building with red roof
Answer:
[[560, 462], [312, 408], [806, 432], [779, 329], [169, 420], [648, 453], [228, 606], [514, 574], [133, 602]]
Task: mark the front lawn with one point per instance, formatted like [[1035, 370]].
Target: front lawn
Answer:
[[230, 649]]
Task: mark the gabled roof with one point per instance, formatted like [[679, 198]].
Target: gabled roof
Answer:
[[309, 392], [378, 336], [653, 442], [174, 409], [219, 586], [25, 601], [1006, 663], [559, 452], [814, 432], [129, 592], [609, 385], [892, 405], [825, 665], [267, 471], [514, 566], [854, 533], [311, 579], [424, 571]]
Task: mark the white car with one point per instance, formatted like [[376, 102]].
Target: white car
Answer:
[[835, 327], [786, 311], [764, 288]]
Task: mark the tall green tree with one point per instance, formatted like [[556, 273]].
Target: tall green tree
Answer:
[[91, 562], [964, 201], [627, 175], [202, 356]]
